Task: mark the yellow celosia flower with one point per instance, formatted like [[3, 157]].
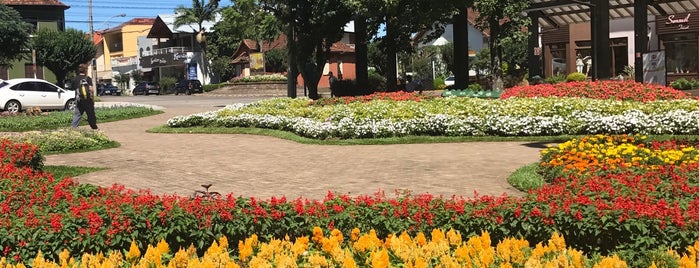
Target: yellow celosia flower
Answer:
[[163, 247], [317, 235], [285, 261], [300, 245], [611, 262], [420, 239], [337, 234], [349, 262], [179, 260], [379, 259], [454, 237], [354, 236], [134, 253], [316, 260]]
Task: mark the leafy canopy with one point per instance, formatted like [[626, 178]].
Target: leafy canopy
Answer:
[[62, 52], [14, 35]]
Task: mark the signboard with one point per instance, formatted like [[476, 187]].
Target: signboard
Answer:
[[192, 71], [654, 71], [257, 62]]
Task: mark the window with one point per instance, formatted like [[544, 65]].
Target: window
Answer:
[[681, 52], [559, 64], [29, 71]]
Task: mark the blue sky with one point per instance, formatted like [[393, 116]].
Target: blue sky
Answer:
[[103, 10]]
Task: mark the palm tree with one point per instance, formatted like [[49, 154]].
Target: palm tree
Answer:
[[198, 13]]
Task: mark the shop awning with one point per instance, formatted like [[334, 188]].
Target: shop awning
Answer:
[[554, 13]]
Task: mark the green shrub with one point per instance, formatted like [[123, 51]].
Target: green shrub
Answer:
[[475, 87], [681, 84], [376, 82], [438, 82], [167, 84], [576, 77], [695, 83], [212, 87], [555, 79], [260, 78]]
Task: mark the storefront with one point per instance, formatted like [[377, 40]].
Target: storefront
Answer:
[[679, 38], [568, 49]]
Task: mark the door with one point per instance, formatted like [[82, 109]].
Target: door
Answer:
[[52, 98]]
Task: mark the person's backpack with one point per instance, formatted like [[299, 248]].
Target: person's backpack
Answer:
[[84, 91]]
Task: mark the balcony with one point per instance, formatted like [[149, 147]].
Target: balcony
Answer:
[[167, 50]]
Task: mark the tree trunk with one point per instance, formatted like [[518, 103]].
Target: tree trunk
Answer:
[[361, 54], [293, 68], [460, 31], [390, 45]]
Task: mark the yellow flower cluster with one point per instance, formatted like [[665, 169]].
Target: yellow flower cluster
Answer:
[[614, 150], [367, 250]]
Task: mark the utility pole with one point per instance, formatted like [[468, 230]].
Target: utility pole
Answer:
[[93, 68]]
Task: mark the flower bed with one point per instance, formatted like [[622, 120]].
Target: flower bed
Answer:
[[630, 210], [411, 114], [440, 249], [615, 90]]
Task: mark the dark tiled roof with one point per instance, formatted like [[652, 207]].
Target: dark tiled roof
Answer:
[[33, 3]]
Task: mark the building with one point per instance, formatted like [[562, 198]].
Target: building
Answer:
[[118, 48], [40, 14], [659, 39], [175, 51], [341, 60]]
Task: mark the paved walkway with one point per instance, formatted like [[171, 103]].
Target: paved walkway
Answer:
[[260, 166]]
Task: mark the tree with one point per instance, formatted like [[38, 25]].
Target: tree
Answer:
[[446, 52], [312, 27], [377, 59], [122, 80], [276, 60], [14, 35], [504, 21], [245, 19], [403, 18], [198, 14], [62, 52]]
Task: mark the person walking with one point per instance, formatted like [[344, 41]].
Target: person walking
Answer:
[[85, 96], [331, 81]]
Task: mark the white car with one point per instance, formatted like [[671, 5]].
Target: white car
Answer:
[[21, 93], [449, 81]]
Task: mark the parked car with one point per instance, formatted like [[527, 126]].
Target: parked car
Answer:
[[449, 81], [21, 93], [108, 89], [147, 88], [188, 87]]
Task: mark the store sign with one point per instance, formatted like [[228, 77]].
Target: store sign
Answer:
[[654, 71], [681, 22]]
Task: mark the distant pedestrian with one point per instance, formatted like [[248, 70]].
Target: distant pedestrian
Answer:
[[411, 86], [85, 96], [331, 81]]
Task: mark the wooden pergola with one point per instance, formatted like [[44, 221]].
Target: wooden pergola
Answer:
[[558, 13]]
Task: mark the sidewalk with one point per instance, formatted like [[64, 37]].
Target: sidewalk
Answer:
[[260, 166]]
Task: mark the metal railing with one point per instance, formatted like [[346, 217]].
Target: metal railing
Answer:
[[166, 50]]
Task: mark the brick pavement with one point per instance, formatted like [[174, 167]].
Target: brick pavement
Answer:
[[260, 166]]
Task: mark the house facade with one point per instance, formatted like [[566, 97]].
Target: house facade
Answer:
[[175, 51], [119, 48], [40, 14]]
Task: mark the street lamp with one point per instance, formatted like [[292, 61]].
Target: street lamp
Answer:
[[92, 37], [107, 20]]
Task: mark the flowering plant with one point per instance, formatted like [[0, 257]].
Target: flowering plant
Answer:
[[630, 210], [616, 90]]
